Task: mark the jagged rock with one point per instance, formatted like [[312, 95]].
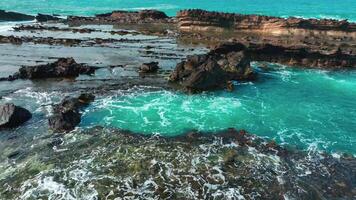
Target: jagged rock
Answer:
[[14, 16], [149, 67], [44, 18], [67, 114], [62, 68], [213, 70], [12, 116]]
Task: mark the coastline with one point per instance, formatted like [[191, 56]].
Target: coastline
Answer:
[[235, 155]]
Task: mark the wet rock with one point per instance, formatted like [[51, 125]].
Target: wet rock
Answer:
[[14, 16], [213, 70], [67, 114], [149, 67], [45, 18], [12, 116], [62, 68]]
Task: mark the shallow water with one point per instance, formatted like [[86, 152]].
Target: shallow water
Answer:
[[345, 9], [307, 108]]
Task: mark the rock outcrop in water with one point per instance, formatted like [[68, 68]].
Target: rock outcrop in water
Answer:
[[149, 67], [14, 16], [67, 114], [62, 68], [123, 17], [12, 116], [292, 41], [213, 70]]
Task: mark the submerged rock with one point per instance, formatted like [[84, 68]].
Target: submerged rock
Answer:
[[12, 116], [213, 70], [67, 114], [149, 67], [14, 16], [62, 68]]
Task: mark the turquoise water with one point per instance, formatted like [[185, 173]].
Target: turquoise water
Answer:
[[345, 9], [307, 108]]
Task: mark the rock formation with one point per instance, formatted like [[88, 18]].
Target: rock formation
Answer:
[[204, 20], [122, 17], [213, 70], [67, 114], [12, 116]]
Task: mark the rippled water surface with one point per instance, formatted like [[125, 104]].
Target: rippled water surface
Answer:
[[306, 108], [345, 9]]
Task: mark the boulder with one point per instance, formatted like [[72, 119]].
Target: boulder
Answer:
[[67, 114], [45, 18], [12, 116], [14, 16], [213, 70], [62, 68], [149, 67]]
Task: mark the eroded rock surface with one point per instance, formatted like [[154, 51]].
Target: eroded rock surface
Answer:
[[200, 19]]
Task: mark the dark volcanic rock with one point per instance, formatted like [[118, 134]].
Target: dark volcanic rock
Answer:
[[213, 70], [67, 114], [12, 116], [149, 67], [44, 18], [13, 16], [62, 68]]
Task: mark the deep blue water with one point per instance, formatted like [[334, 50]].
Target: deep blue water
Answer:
[[345, 9]]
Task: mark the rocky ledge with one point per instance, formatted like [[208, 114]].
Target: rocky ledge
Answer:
[[200, 19]]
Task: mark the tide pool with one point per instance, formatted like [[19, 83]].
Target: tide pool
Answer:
[[345, 9], [307, 108]]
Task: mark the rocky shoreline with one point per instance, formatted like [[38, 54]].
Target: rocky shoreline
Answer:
[[195, 51], [226, 62]]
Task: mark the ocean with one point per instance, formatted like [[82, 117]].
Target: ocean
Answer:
[[333, 9]]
